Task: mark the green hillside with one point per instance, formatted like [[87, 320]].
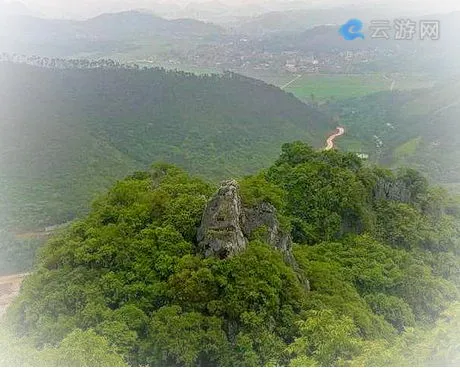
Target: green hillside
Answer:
[[67, 134], [414, 128], [131, 284]]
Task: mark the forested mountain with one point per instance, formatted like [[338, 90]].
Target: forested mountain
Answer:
[[310, 257], [170, 270], [417, 129], [66, 134]]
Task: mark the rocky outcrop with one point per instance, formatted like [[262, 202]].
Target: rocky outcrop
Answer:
[[220, 233], [392, 190], [227, 226], [264, 217]]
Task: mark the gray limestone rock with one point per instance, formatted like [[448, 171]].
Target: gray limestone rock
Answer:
[[220, 233], [264, 215], [226, 225], [390, 190]]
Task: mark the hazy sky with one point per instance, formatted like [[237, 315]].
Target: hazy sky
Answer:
[[84, 8]]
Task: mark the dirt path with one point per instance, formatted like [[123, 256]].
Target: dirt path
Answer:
[[330, 141], [393, 82], [446, 107], [9, 289], [292, 81]]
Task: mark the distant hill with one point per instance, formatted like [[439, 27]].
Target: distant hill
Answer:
[[249, 44], [102, 35], [68, 134], [136, 23], [8, 8], [434, 132], [300, 20]]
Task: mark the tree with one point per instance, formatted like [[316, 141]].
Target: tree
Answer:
[[326, 338], [83, 349], [186, 338]]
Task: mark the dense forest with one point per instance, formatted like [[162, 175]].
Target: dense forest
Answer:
[[69, 131], [373, 278]]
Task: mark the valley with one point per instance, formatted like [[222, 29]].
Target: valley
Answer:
[[228, 185], [123, 120]]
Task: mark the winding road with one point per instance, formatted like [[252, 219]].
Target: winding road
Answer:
[[330, 141]]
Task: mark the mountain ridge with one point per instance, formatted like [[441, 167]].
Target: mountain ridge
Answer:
[[127, 118]]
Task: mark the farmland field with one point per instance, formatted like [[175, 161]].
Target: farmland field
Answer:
[[322, 87]]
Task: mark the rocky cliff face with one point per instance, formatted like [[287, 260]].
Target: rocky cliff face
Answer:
[[264, 216], [220, 233], [391, 190], [227, 226]]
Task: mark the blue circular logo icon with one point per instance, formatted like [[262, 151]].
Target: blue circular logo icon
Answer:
[[351, 30]]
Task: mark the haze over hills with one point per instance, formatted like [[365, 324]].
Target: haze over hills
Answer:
[[67, 134], [298, 20], [288, 46], [102, 35], [191, 41], [290, 42], [12, 8], [311, 257], [216, 10]]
